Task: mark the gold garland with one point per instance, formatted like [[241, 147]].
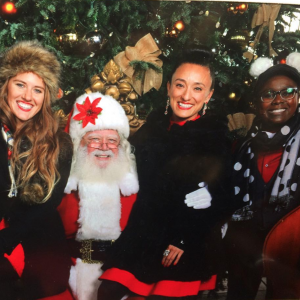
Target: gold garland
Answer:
[[264, 16]]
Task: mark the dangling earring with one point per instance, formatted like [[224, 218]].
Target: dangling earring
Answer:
[[204, 109], [167, 106]]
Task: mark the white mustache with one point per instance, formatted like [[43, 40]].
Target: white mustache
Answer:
[[98, 152]]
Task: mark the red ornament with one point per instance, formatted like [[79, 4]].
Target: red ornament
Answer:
[[283, 61], [60, 93], [88, 112]]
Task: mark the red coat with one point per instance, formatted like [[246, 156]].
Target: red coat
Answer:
[[69, 212]]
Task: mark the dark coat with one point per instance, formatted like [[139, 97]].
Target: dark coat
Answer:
[[39, 229], [171, 163]]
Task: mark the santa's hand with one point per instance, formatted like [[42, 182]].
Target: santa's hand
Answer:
[[71, 185], [200, 198]]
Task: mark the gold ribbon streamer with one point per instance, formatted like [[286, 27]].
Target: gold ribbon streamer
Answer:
[[144, 50], [264, 16]]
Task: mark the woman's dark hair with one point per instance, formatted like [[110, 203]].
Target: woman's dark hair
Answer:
[[201, 57]]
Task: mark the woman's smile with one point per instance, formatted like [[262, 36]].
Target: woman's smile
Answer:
[[184, 106], [24, 105]]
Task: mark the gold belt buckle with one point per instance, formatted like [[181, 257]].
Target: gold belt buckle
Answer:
[[86, 252]]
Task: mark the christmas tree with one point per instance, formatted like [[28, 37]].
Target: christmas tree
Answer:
[[87, 34]]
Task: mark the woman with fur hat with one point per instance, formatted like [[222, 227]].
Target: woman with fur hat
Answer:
[[266, 180], [35, 162]]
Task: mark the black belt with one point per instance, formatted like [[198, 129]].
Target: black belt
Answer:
[[90, 251]]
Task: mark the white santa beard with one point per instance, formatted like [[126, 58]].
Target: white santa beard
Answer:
[[88, 169], [99, 194]]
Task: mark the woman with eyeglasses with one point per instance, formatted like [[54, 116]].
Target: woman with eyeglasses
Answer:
[[266, 179]]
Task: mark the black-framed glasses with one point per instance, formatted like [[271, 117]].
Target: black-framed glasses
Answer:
[[285, 94]]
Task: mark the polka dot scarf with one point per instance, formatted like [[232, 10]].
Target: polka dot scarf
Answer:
[[286, 181], [8, 137]]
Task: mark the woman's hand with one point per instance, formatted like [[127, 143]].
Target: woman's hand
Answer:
[[171, 253]]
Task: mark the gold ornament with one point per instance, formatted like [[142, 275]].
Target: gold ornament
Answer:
[[113, 82], [145, 50], [125, 87], [98, 86], [88, 91], [113, 91], [95, 78], [61, 117], [133, 96], [111, 72]]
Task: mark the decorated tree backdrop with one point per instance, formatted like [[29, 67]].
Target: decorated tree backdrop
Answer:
[[87, 34]]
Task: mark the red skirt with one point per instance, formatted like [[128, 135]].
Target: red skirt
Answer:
[[167, 288]]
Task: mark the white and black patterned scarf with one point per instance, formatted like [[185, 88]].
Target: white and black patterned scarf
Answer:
[[286, 181], [8, 137]]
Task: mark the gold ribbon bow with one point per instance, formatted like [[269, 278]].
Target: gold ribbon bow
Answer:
[[145, 50], [264, 16]]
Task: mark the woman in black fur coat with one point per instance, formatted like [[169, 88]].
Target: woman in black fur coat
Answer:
[[35, 161], [167, 249]]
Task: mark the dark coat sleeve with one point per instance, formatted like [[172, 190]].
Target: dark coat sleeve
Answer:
[[211, 163], [22, 218]]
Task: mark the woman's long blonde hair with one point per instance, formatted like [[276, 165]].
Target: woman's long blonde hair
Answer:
[[35, 167]]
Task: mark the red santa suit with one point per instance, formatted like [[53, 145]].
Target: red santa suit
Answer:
[[93, 208], [85, 286]]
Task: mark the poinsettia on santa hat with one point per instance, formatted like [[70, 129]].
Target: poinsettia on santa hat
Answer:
[[88, 111], [97, 112]]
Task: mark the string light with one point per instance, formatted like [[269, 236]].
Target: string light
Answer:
[[9, 8], [179, 25], [239, 8]]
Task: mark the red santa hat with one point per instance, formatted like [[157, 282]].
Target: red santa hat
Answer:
[[97, 112]]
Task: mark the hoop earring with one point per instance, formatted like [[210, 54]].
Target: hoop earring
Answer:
[[204, 108], [167, 106]]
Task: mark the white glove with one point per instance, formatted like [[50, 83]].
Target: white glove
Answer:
[[200, 198]]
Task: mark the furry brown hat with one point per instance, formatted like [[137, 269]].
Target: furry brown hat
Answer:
[[31, 56]]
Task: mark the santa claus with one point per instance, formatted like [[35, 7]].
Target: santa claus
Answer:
[[101, 188]]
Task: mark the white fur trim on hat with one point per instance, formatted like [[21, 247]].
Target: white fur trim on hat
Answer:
[[293, 60], [112, 116], [260, 65]]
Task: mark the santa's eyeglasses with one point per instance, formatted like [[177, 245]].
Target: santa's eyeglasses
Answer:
[[98, 143]]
